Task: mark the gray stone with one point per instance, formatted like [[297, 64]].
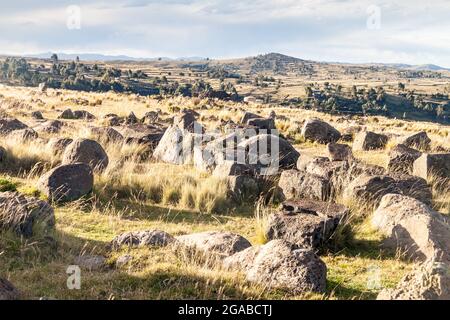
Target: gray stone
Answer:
[[306, 223], [220, 244], [243, 188], [59, 145], [429, 281], [7, 125], [23, 214], [67, 182], [401, 159], [86, 151], [319, 131], [23, 135], [262, 123], [106, 134], [281, 265], [432, 166], [413, 227], [295, 184], [149, 238], [339, 152], [419, 140], [367, 140]]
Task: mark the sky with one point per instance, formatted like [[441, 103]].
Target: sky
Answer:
[[358, 31]]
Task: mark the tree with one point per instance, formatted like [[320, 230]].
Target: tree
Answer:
[[54, 58]]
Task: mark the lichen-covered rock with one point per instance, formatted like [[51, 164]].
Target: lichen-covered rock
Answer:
[[214, 243], [7, 125], [320, 131], [149, 238], [367, 140], [401, 159], [67, 182], [86, 151], [23, 214], [339, 152], [306, 223], [58, 145], [430, 281], [280, 264], [419, 140], [295, 184], [432, 166], [413, 227]]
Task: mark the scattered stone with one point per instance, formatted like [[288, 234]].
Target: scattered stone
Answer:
[[419, 140], [230, 168], [243, 187], [67, 182], [86, 151], [67, 114], [59, 145], [401, 159], [106, 134], [367, 140], [220, 244], [91, 262], [295, 184], [304, 160], [23, 135], [8, 291], [432, 166], [248, 116], [262, 123], [142, 134], [83, 115], [305, 223], [260, 151], [50, 126], [37, 115], [7, 125], [186, 120], [149, 238], [23, 214], [131, 118], [413, 227], [281, 265], [339, 152], [319, 131]]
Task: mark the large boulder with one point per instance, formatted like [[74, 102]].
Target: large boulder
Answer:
[[141, 134], [8, 291], [401, 159], [230, 168], [248, 116], [68, 114], [7, 125], [243, 188], [432, 166], [413, 227], [305, 223], [280, 264], [149, 238], [419, 140], [86, 151], [214, 244], [49, 126], [430, 281], [186, 120], [367, 140], [270, 151], [24, 214], [319, 131], [295, 184], [67, 182], [177, 146]]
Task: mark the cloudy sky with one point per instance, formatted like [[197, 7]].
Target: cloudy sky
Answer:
[[407, 31]]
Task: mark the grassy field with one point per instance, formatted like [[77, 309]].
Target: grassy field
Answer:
[[141, 195]]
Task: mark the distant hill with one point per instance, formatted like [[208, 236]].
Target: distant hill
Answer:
[[102, 57]]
